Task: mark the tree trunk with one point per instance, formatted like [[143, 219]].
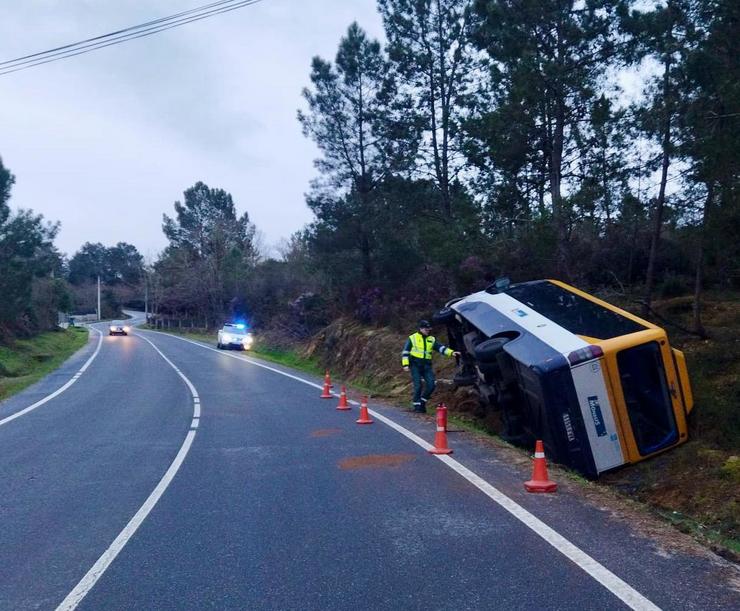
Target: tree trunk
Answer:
[[605, 183], [367, 267], [557, 143], [633, 247], [541, 170], [559, 216], [659, 204], [699, 279], [363, 239], [435, 141], [444, 96]]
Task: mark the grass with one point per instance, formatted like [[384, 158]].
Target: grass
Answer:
[[289, 358], [27, 361], [714, 537]]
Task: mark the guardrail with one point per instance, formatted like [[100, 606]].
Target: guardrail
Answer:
[[182, 324], [78, 318]]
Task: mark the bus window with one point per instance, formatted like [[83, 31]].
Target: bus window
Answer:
[[572, 312], [646, 396]]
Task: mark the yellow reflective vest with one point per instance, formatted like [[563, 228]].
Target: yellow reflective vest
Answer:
[[420, 348]]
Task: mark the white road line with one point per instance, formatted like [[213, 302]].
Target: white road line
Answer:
[[626, 593], [621, 589], [239, 358], [96, 572], [61, 389]]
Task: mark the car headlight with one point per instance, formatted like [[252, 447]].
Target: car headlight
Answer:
[[112, 328], [248, 339], [127, 329], [226, 337]]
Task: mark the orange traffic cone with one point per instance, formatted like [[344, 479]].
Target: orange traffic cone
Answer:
[[540, 481], [440, 437], [364, 416], [343, 405], [326, 393], [327, 379]]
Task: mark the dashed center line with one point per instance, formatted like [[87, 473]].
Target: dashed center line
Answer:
[[96, 571]]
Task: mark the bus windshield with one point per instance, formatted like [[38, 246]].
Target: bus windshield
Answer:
[[647, 398]]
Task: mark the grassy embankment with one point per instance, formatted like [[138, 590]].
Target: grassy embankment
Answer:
[[28, 360], [694, 486]]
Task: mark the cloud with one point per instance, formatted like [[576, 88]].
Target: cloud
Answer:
[[107, 141]]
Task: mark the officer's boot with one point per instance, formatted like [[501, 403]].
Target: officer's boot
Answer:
[[423, 406], [417, 407]]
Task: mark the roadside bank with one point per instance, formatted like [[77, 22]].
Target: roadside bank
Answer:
[[26, 361]]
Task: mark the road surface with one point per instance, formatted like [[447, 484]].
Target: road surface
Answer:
[[169, 475]]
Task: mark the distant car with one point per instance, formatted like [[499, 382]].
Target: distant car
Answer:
[[235, 335], [118, 328]]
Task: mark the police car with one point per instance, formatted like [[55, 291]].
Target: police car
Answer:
[[600, 386], [235, 335]]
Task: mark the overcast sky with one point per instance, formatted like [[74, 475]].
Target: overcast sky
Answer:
[[107, 141]]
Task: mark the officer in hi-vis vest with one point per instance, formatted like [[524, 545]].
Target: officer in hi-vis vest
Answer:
[[417, 356]]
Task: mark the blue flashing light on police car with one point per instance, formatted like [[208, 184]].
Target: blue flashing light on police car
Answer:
[[235, 335]]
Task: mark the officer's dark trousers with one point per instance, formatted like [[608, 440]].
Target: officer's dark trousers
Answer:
[[422, 371]]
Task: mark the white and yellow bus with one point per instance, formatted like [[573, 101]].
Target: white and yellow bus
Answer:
[[602, 387]]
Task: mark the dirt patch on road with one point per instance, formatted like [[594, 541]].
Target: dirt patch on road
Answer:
[[375, 461], [325, 432]]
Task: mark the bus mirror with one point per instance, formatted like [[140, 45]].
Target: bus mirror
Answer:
[[502, 284]]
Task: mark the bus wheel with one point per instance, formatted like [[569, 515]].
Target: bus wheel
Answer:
[[443, 316], [487, 351]]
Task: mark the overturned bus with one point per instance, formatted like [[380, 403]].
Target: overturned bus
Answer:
[[601, 387]]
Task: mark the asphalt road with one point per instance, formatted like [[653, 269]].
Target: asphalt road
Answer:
[[172, 476]]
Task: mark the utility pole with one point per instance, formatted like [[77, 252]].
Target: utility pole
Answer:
[[99, 312], [146, 298]]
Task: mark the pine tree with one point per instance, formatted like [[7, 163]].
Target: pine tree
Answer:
[[352, 118], [210, 253], [429, 49], [548, 58], [711, 139], [665, 34]]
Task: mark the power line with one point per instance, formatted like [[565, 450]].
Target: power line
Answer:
[[153, 22], [124, 35], [130, 33]]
